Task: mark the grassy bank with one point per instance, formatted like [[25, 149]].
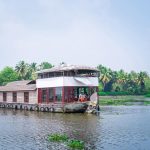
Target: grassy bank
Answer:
[[124, 100]]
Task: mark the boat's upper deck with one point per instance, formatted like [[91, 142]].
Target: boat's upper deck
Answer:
[[68, 71]]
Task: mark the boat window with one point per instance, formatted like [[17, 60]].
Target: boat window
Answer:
[[58, 93], [26, 97], [14, 95], [51, 94], [70, 73], [4, 96], [44, 95], [42, 76]]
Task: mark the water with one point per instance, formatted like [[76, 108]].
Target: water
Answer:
[[117, 128]]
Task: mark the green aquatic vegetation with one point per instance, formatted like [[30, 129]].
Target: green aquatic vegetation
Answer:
[[58, 138], [118, 101], [73, 144], [113, 102], [76, 144], [146, 102], [147, 95]]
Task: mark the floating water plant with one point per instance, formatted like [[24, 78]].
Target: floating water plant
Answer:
[[58, 138], [73, 144], [76, 144]]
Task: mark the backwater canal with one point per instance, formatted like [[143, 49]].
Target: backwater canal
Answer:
[[116, 128]]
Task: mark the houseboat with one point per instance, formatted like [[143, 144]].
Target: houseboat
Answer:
[[65, 88]]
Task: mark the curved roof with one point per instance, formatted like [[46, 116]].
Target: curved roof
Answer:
[[65, 67]]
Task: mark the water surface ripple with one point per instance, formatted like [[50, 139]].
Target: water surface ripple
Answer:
[[116, 128]]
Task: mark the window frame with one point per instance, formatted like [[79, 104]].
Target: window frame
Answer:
[[4, 96], [14, 96], [26, 97]]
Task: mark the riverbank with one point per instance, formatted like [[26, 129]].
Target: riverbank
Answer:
[[124, 100]]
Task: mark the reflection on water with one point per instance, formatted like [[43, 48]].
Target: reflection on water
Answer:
[[118, 128]]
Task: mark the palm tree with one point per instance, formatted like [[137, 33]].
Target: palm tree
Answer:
[[141, 80], [105, 75], [45, 65], [122, 80], [121, 77], [133, 75], [32, 70], [22, 68]]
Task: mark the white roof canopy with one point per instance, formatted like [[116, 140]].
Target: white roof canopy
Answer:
[[65, 67]]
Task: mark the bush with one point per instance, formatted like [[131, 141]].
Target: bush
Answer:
[[102, 93], [147, 95], [113, 93]]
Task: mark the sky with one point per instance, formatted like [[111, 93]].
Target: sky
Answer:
[[114, 33]]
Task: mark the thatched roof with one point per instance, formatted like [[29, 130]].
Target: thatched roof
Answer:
[[65, 67], [25, 85]]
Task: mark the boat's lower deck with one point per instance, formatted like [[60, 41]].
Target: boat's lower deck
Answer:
[[54, 107]]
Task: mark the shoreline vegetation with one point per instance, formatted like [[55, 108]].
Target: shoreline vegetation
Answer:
[[127, 100]]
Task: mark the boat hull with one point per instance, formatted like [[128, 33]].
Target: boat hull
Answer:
[[75, 108]]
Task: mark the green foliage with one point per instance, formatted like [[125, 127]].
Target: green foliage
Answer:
[[22, 70], [45, 65], [121, 81], [58, 138], [100, 87], [146, 102], [120, 101], [147, 95], [113, 93], [73, 144], [27, 71], [147, 85], [105, 75], [76, 144], [111, 82], [8, 74], [31, 71], [102, 94]]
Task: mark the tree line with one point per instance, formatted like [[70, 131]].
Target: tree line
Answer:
[[120, 81], [109, 80], [22, 71]]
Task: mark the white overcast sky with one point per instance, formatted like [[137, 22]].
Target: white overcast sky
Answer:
[[113, 33]]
